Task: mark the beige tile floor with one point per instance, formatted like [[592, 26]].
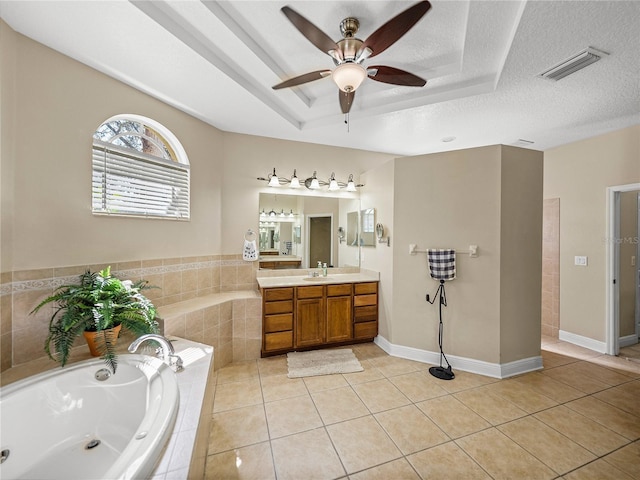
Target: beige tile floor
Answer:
[[579, 418]]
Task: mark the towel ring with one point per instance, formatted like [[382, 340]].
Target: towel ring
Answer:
[[250, 235]]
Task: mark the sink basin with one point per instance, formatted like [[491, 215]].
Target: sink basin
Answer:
[[316, 279]]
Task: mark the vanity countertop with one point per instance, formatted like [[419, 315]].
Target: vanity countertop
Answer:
[[331, 278], [280, 258]]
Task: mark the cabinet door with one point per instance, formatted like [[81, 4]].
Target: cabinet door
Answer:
[[339, 324], [310, 322]]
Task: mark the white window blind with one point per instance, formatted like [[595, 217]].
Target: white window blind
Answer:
[[126, 182]]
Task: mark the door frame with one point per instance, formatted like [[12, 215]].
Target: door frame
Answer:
[[612, 336], [637, 318]]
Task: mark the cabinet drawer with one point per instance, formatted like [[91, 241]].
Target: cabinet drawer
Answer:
[[315, 291], [365, 330], [338, 290], [271, 308], [274, 294], [364, 288], [278, 323], [278, 341], [361, 300], [365, 314]]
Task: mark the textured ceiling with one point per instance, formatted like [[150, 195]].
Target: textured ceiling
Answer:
[[218, 61]]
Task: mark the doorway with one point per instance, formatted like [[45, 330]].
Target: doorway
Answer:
[[623, 273], [320, 248]]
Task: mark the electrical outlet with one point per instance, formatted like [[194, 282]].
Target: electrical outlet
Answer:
[[580, 260]]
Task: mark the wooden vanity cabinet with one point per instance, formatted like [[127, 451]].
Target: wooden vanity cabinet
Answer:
[[313, 316], [310, 316], [277, 325], [365, 310], [339, 312]]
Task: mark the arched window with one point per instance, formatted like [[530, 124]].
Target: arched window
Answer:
[[139, 168]]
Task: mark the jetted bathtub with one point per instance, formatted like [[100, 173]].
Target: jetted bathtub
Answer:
[[79, 422]]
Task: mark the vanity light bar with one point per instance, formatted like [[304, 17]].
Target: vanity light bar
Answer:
[[312, 183]]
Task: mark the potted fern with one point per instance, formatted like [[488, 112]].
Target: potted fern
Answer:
[[98, 307]]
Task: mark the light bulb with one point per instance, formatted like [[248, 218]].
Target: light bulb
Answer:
[[351, 186], [273, 180], [333, 184], [314, 182], [295, 183]]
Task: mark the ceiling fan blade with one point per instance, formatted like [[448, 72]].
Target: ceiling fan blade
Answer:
[[390, 32], [395, 76], [305, 78], [346, 100], [312, 33]]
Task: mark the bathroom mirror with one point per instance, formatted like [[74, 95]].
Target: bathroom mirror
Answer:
[[367, 227], [297, 231], [352, 229]]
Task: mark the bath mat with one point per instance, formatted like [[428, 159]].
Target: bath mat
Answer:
[[322, 362]]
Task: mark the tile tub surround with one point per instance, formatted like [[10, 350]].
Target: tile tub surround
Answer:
[[551, 267], [185, 453], [231, 322], [22, 335]]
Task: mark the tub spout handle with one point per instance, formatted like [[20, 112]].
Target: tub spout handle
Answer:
[[175, 362], [165, 345]]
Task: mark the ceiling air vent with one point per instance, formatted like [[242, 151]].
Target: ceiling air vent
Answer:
[[573, 64]]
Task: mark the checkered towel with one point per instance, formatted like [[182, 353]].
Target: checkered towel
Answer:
[[442, 263]]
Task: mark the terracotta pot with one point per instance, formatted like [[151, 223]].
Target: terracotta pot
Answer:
[[90, 337]]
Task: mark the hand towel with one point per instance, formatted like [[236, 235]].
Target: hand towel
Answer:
[[250, 251], [442, 263]]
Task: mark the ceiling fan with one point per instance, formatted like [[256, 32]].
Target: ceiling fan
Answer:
[[349, 53]]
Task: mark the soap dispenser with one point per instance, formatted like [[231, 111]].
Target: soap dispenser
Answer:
[[324, 269]]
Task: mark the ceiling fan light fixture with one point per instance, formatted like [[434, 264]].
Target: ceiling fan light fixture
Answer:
[[348, 76]]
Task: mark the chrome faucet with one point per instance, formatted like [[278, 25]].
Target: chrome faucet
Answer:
[[168, 352]]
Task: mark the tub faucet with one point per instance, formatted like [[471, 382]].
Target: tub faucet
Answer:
[[168, 352]]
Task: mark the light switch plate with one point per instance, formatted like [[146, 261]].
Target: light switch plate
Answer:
[[580, 260]]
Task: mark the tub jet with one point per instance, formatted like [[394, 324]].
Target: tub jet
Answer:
[[92, 444]]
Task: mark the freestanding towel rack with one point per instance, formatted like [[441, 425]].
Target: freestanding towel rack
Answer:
[[472, 250]]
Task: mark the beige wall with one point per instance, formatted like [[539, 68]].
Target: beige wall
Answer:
[[57, 115], [247, 157], [7, 112], [49, 205], [520, 253], [579, 174], [452, 200], [379, 194]]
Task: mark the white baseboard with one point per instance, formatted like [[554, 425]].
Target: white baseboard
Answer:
[[470, 365], [586, 342], [627, 341]]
